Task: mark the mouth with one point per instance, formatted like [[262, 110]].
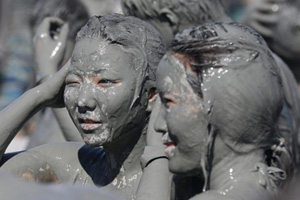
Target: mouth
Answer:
[[170, 145], [89, 124]]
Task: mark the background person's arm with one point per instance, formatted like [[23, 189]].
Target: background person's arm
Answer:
[[49, 47], [155, 182]]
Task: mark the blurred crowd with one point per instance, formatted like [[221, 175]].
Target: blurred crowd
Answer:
[[278, 21]]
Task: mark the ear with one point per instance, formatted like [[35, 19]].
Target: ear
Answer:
[[169, 16], [152, 95]]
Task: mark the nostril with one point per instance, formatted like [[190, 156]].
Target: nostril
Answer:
[[86, 105], [82, 109]]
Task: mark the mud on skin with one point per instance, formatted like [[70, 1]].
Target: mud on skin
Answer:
[[222, 95], [107, 90], [169, 17]]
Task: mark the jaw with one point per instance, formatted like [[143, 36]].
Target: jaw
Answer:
[[185, 163], [97, 139], [94, 139]]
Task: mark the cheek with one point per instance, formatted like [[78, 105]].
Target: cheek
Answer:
[[120, 98], [182, 119], [70, 96], [118, 102], [175, 119]]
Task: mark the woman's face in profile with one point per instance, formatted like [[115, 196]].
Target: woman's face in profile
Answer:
[[181, 118], [100, 89]]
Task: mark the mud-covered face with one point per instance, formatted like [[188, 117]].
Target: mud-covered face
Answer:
[[182, 118], [100, 90]]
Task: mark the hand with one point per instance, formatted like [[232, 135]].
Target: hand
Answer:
[[49, 45], [53, 89], [154, 138], [154, 147], [263, 16]]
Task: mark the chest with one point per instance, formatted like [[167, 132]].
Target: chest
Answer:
[[124, 182]]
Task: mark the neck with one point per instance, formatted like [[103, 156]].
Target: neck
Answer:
[[126, 152], [232, 167], [229, 166]]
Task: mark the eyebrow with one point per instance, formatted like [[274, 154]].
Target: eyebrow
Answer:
[[99, 71], [74, 71], [79, 72]]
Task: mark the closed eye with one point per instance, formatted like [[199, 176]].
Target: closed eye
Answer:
[[72, 83], [72, 80], [169, 100], [107, 82]]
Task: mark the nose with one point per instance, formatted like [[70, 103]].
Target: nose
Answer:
[[160, 124], [86, 100]]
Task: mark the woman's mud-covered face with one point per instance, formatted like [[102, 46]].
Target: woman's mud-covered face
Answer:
[[100, 89], [181, 120]]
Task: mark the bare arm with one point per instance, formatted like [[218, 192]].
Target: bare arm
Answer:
[[155, 182], [15, 116], [18, 112], [49, 54]]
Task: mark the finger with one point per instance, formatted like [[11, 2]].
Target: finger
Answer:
[[268, 7], [67, 66], [265, 18], [153, 137], [45, 24], [64, 33], [55, 20], [264, 31], [42, 30], [64, 70], [44, 27]]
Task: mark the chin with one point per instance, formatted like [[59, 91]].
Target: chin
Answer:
[[184, 167], [96, 139]]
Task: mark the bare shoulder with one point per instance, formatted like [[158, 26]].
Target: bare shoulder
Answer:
[[47, 163], [52, 150], [49, 152]]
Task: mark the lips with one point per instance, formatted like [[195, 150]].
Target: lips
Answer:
[[170, 145], [88, 124], [166, 140]]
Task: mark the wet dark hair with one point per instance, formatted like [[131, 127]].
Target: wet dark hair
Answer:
[[129, 32], [71, 11], [206, 46], [240, 86], [244, 82], [195, 11]]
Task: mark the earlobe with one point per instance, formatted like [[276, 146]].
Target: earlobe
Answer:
[[171, 17], [151, 99]]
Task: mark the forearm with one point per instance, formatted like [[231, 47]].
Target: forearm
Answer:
[[14, 116], [68, 128], [155, 182], [45, 69]]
